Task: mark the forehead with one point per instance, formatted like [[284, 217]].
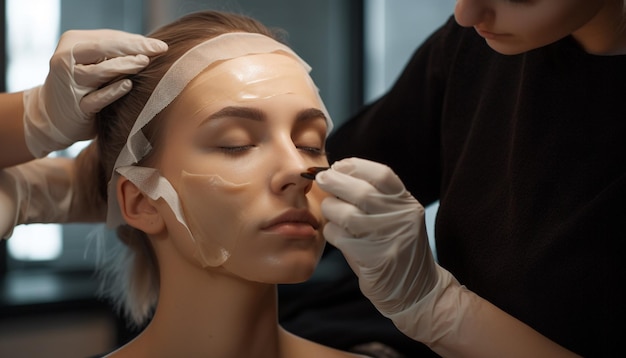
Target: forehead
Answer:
[[248, 78]]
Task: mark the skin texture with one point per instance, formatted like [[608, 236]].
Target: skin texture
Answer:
[[237, 174], [254, 187], [13, 149], [513, 27]]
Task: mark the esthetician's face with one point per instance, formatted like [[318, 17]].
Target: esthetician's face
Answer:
[[235, 143], [516, 26]]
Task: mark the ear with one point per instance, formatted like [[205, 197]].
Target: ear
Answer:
[[138, 209]]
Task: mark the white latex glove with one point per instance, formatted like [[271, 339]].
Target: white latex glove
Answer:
[[47, 190], [61, 112], [379, 227], [39, 191]]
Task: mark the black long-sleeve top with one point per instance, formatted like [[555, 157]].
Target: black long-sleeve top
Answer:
[[527, 155]]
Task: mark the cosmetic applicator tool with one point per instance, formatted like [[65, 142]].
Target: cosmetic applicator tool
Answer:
[[312, 172]]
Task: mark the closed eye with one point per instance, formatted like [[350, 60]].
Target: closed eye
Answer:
[[235, 149], [312, 150]]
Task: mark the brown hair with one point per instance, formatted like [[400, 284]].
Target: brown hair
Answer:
[[132, 282]]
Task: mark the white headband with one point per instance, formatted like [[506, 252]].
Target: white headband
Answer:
[[185, 69]]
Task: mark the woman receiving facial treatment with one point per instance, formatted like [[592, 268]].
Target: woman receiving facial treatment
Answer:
[[201, 167]]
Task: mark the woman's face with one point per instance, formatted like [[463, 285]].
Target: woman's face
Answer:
[[236, 140], [516, 26]]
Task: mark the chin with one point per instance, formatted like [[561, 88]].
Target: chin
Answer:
[[292, 281], [296, 271], [297, 275], [508, 50], [285, 269], [286, 276], [514, 47]]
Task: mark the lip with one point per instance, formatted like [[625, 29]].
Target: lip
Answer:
[[487, 34], [293, 222]]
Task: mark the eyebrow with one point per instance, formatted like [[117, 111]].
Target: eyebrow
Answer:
[[310, 113], [238, 112], [258, 115]]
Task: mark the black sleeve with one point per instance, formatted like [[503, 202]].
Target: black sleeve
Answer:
[[401, 129]]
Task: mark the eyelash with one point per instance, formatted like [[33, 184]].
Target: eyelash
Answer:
[[240, 149], [235, 150], [313, 151]]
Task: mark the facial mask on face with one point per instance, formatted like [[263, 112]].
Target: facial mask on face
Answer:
[[251, 79], [213, 217], [211, 248], [215, 206], [184, 70]]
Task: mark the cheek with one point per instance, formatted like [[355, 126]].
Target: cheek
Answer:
[[215, 211], [256, 257], [315, 198]]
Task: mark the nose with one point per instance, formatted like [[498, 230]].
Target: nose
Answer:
[[290, 163], [468, 13]]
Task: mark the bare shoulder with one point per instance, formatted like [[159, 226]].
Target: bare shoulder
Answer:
[[318, 350], [123, 352], [328, 352], [132, 349], [294, 346]]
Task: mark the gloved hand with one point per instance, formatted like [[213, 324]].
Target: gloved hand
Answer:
[[61, 112], [37, 191], [47, 190], [381, 231], [379, 227]]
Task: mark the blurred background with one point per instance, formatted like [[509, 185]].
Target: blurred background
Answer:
[[356, 48]]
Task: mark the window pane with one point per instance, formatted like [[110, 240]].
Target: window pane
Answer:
[[32, 35], [37, 242]]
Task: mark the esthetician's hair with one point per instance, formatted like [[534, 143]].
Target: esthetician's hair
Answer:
[[131, 280]]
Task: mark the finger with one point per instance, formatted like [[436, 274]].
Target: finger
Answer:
[[358, 252], [344, 186], [336, 235], [354, 220], [339, 211], [341, 239], [89, 52], [361, 193], [343, 215], [93, 102], [379, 175], [97, 74]]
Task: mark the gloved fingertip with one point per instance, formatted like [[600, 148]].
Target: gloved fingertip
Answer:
[[157, 46], [345, 166], [125, 85], [142, 59], [320, 177]]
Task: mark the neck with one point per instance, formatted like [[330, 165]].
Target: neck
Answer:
[[605, 34], [205, 312]]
